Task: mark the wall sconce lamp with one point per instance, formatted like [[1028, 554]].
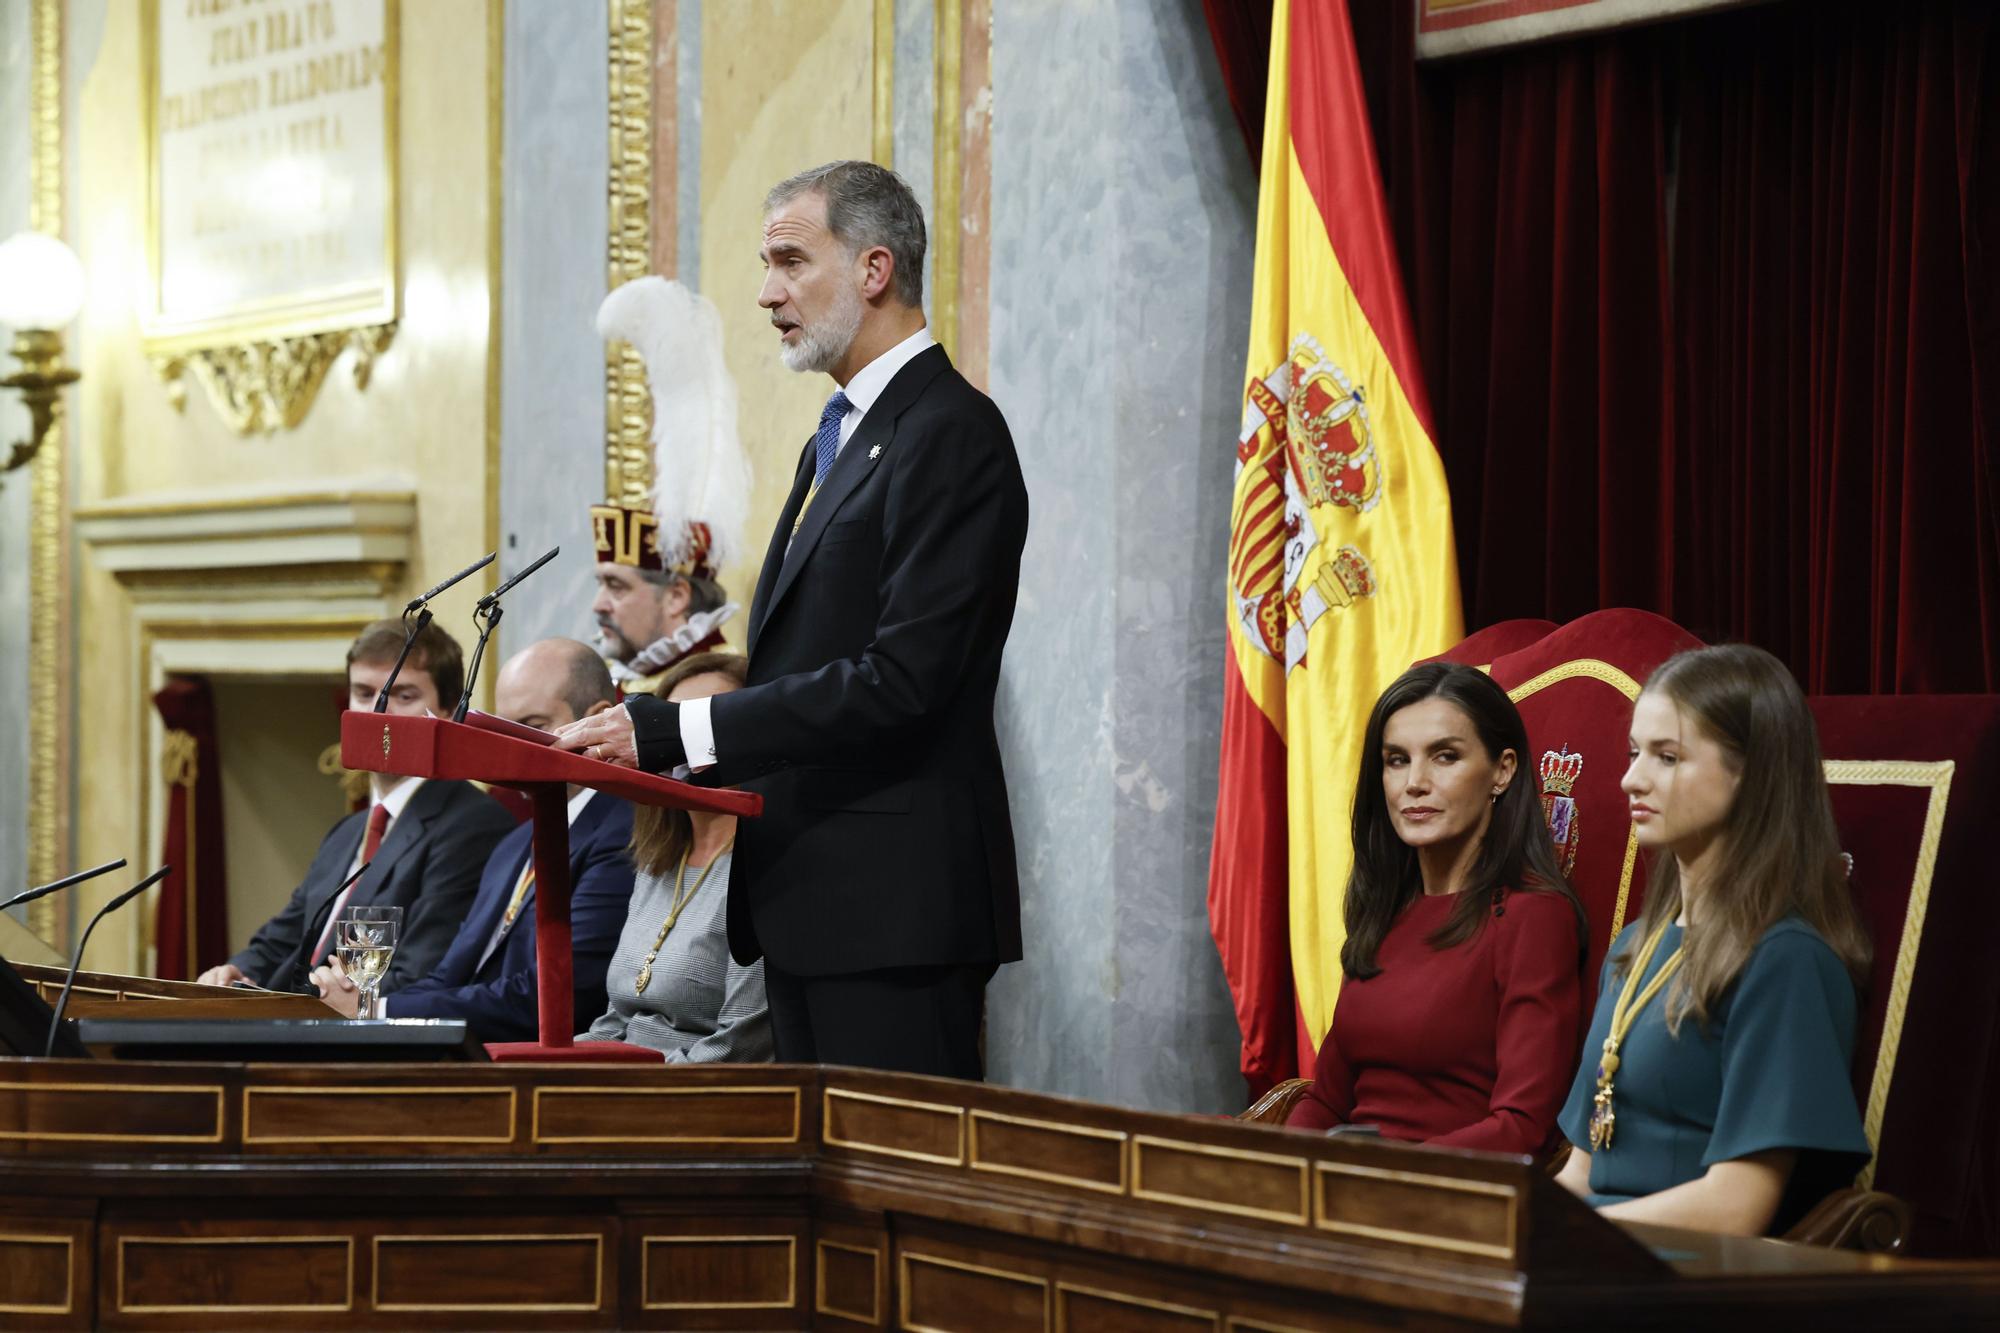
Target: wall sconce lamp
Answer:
[[41, 290]]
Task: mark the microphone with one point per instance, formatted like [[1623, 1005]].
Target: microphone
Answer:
[[486, 615], [492, 599], [29, 895], [76, 961], [421, 605], [416, 604]]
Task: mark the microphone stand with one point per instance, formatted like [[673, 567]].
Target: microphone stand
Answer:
[[76, 961], [486, 615], [29, 895], [421, 605]]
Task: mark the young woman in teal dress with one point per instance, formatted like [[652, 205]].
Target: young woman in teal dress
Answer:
[[1715, 1091]]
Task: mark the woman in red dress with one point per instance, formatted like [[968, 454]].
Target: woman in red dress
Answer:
[[1462, 997]]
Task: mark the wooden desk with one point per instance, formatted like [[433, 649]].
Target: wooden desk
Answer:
[[565, 1196]]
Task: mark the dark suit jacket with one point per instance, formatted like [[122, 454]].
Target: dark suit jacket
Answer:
[[875, 644], [428, 864], [492, 986]]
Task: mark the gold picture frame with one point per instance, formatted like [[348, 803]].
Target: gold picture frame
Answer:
[[262, 361]]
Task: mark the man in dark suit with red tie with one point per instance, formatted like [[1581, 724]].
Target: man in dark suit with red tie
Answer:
[[488, 976], [879, 886], [424, 842]]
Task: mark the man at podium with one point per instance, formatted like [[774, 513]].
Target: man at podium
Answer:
[[879, 885], [424, 843]]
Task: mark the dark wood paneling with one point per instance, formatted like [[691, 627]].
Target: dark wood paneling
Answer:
[[1087, 1158], [499, 1271], [1082, 1310], [900, 1127], [1241, 1182], [610, 1117], [434, 1119], [949, 1295], [241, 1275], [89, 1108], [720, 1272], [37, 1272]]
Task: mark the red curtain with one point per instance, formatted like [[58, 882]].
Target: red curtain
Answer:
[[1708, 316], [191, 930]]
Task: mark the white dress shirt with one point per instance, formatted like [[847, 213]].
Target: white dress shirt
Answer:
[[867, 384]]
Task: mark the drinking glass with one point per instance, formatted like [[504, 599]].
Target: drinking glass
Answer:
[[367, 941]]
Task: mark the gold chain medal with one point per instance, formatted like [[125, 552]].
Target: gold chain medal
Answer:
[[682, 897], [1624, 1012]]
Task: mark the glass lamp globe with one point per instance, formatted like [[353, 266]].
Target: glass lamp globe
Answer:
[[41, 282]]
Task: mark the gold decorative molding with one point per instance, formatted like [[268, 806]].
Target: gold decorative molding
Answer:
[[1936, 778], [884, 61], [947, 171], [628, 449], [258, 387], [48, 566]]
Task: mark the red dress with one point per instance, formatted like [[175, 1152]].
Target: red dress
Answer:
[[1472, 1046]]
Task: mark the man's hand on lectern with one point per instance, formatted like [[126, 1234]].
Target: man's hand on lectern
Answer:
[[337, 989], [221, 975], [606, 735]]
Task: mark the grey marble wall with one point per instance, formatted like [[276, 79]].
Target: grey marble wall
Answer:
[[553, 222], [1123, 218], [15, 68]]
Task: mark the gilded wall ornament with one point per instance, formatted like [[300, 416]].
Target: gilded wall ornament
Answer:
[[263, 386]]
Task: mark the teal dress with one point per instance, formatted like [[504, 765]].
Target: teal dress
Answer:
[[1770, 1069]]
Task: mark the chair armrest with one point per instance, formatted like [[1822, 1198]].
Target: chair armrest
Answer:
[[1855, 1219], [1275, 1106]]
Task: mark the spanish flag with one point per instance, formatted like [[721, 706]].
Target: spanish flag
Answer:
[[1342, 570]]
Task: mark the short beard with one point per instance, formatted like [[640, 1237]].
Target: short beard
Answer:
[[821, 345], [610, 643]]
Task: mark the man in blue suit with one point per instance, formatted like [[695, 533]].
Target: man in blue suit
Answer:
[[487, 976]]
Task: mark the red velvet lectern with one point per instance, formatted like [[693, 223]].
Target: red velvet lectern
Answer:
[[433, 747]]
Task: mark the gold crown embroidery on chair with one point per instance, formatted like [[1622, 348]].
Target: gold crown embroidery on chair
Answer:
[[1560, 771]]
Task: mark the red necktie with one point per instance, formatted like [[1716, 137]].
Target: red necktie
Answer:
[[378, 823]]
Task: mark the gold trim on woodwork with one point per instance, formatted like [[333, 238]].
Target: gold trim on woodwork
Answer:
[[826, 1126], [1423, 1180], [123, 1241], [947, 168], [1140, 1142], [884, 61], [26, 1091], [1898, 773], [1053, 1127], [791, 1271], [820, 1306], [904, 1258], [375, 1283], [48, 622], [1214, 1317], [262, 364], [537, 1136], [69, 1273], [513, 1109], [1595, 669]]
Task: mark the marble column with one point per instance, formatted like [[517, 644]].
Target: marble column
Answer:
[[1123, 214]]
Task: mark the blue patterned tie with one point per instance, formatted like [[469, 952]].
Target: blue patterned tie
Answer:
[[826, 441]]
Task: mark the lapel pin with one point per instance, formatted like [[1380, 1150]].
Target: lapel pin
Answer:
[[875, 453]]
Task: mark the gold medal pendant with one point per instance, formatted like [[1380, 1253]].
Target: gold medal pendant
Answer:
[[645, 975], [1602, 1120]]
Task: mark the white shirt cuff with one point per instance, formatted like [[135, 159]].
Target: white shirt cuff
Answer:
[[697, 736]]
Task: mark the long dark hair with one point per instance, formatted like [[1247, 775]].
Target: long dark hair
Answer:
[[1515, 853], [661, 836], [1779, 853]]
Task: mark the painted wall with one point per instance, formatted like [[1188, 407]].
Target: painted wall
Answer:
[[423, 416]]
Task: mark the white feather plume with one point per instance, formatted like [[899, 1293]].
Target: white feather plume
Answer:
[[700, 473]]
